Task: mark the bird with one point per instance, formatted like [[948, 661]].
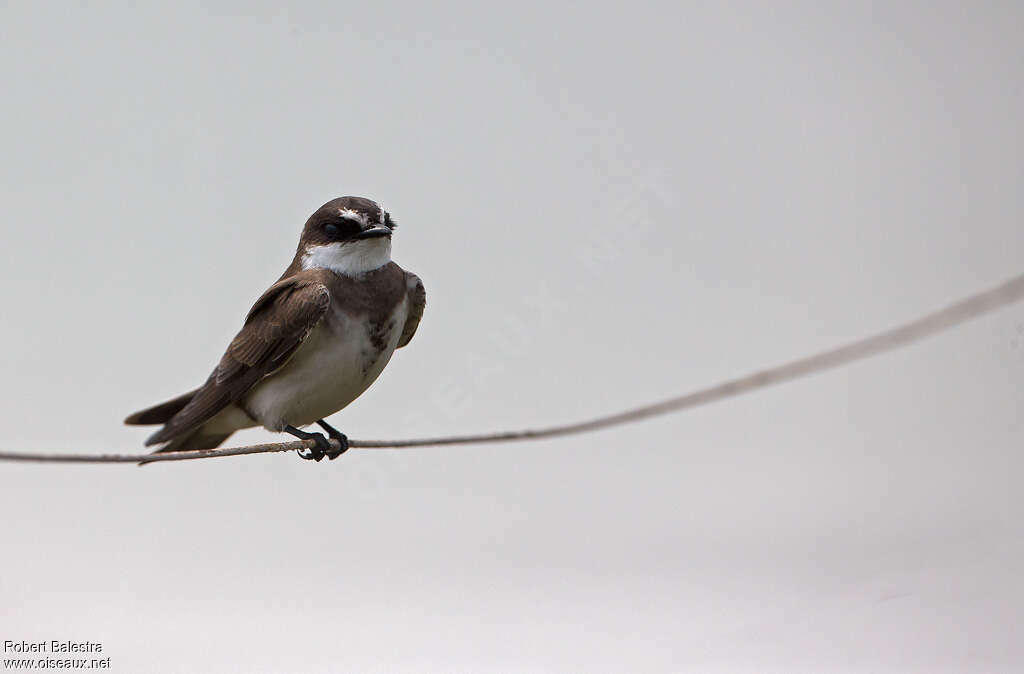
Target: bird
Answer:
[[310, 345]]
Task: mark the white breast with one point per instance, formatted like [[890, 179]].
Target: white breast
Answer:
[[339, 360]]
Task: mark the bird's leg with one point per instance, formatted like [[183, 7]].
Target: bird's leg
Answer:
[[323, 446], [335, 435]]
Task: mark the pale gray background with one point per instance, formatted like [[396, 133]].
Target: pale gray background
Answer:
[[608, 204]]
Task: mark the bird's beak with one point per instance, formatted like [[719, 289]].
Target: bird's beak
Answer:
[[373, 233]]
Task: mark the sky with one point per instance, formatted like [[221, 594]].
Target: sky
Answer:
[[608, 204]]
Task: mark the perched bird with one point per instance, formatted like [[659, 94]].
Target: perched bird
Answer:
[[311, 344]]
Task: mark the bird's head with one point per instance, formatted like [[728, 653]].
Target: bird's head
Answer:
[[348, 235]]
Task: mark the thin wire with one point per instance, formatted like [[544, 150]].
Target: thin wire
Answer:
[[930, 324]]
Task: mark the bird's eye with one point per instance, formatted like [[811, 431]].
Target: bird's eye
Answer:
[[341, 229]]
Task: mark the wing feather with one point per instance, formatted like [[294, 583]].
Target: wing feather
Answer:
[[276, 325], [417, 295]]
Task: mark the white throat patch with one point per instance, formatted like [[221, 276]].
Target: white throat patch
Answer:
[[350, 258]]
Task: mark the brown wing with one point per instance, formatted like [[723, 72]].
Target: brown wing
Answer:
[[274, 328], [417, 302]]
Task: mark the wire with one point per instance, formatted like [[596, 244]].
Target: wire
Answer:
[[930, 324]]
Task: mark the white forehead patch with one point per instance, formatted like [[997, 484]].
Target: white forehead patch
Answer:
[[354, 215]]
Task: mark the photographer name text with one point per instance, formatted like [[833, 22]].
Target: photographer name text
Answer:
[[53, 646]]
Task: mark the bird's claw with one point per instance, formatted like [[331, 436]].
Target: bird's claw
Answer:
[[318, 451], [322, 446], [335, 434], [342, 439]]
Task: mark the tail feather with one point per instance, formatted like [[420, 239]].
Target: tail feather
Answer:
[[195, 440], [162, 413], [200, 438]]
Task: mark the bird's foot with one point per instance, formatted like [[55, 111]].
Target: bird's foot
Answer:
[[321, 449], [335, 434]]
